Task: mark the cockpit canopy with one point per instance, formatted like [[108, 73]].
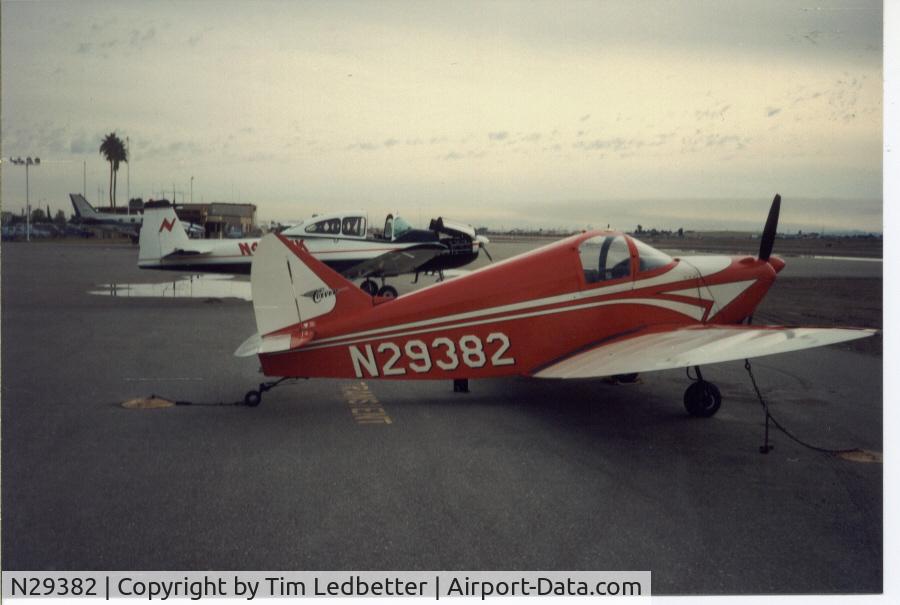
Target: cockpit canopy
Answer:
[[395, 227], [610, 257]]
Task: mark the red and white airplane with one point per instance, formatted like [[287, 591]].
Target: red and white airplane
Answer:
[[596, 304]]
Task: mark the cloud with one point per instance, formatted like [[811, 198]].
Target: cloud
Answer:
[[771, 111], [82, 143], [712, 113], [365, 146], [390, 142], [138, 38], [725, 142], [454, 155], [498, 136]]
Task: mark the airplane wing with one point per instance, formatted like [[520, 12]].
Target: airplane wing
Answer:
[[663, 349], [396, 262], [181, 253]]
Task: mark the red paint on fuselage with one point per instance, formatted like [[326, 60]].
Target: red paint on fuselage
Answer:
[[512, 317]]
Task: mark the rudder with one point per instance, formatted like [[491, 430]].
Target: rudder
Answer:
[[291, 287], [161, 232], [83, 208]]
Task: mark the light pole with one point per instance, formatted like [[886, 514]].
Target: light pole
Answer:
[[192, 190], [29, 161]]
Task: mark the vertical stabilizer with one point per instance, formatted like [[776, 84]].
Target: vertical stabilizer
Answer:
[[161, 232], [291, 287], [83, 208]]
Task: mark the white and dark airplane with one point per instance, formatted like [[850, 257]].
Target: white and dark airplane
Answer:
[[85, 214], [339, 240]]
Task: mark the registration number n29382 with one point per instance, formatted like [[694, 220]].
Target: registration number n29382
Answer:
[[419, 357]]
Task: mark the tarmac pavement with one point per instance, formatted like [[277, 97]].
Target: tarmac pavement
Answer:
[[517, 474]]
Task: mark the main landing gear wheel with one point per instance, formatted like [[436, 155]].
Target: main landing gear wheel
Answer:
[[702, 399], [252, 399], [387, 291], [370, 287]]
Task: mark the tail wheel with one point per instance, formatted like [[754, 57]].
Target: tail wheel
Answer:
[[370, 287], [702, 399], [387, 292], [252, 399]]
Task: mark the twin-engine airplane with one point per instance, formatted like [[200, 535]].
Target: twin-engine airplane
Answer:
[[340, 241], [596, 304]]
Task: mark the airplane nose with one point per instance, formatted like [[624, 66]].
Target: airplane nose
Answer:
[[777, 263]]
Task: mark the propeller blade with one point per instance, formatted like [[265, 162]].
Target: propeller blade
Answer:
[[767, 241], [482, 244]]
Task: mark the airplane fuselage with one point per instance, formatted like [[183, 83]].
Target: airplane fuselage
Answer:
[[498, 320], [235, 256]]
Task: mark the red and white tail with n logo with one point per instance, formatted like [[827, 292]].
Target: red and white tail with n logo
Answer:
[[293, 293], [167, 224], [161, 233]]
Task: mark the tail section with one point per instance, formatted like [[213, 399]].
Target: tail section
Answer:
[[291, 288], [83, 208], [161, 233]]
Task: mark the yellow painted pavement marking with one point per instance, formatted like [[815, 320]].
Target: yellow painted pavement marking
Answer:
[[364, 406]]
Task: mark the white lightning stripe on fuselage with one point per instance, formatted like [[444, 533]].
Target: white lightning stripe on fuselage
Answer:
[[679, 272], [690, 310]]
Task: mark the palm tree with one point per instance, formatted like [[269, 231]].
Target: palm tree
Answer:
[[114, 151]]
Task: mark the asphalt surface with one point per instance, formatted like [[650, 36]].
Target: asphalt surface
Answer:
[[517, 474]]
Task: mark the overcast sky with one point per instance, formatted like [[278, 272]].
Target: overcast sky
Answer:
[[495, 113]]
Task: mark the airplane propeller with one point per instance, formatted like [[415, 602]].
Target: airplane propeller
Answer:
[[767, 241], [482, 243]]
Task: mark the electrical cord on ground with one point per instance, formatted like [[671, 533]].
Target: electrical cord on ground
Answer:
[[766, 448]]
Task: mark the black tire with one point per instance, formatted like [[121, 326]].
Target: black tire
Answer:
[[252, 399], [369, 287], [702, 399], [629, 378], [387, 292]]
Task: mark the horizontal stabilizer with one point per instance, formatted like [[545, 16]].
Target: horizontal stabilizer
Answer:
[[655, 349], [274, 343], [182, 253]]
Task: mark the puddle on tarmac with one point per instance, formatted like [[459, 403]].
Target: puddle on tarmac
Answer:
[[194, 286]]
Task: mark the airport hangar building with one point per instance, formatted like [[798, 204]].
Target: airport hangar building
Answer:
[[219, 219]]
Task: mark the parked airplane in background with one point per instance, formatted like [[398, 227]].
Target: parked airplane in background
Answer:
[[128, 224], [339, 240], [596, 304], [85, 214]]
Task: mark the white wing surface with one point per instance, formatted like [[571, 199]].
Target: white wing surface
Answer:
[[655, 349]]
